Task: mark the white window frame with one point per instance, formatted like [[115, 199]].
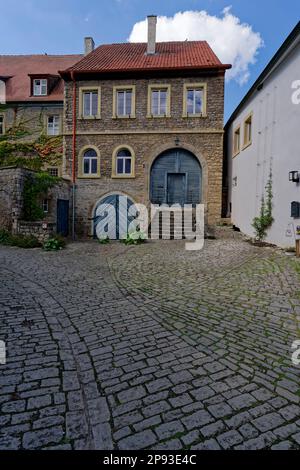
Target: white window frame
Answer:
[[45, 206], [54, 128], [159, 88], [123, 159], [193, 87], [91, 90], [52, 170], [38, 89], [89, 159]]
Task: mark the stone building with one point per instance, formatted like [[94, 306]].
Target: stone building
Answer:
[[33, 93], [144, 120]]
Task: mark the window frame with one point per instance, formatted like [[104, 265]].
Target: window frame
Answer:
[[236, 151], [194, 86], [41, 86], [82, 91], [45, 205], [3, 124], [114, 162], [81, 173], [116, 90], [51, 168], [59, 124], [159, 86], [247, 142]]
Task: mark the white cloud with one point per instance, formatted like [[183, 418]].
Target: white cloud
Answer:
[[233, 42]]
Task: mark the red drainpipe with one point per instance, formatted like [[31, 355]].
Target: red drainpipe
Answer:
[[74, 154]]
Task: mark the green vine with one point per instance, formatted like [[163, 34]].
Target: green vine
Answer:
[[35, 186], [32, 153], [262, 223]]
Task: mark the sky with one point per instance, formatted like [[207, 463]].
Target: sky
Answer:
[[244, 33]]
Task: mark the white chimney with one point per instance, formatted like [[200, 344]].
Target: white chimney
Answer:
[[152, 20], [89, 45]]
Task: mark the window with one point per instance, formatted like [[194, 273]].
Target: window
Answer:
[[53, 171], [124, 102], [1, 125], [159, 101], [90, 162], [45, 205], [248, 131], [236, 141], [40, 87], [194, 100], [123, 162], [89, 103], [53, 125]]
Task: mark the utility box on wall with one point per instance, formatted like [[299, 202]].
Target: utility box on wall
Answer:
[[295, 210]]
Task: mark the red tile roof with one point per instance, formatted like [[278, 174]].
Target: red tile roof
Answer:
[[18, 68], [128, 57]]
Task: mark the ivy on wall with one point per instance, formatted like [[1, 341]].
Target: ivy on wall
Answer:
[[36, 186], [265, 218], [36, 151]]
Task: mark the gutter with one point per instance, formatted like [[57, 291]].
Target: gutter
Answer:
[[74, 155]]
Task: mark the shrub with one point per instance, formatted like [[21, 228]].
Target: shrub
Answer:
[[54, 243], [265, 219], [134, 238], [22, 241], [104, 241]]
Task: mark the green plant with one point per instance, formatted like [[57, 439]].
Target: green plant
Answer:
[[134, 238], [54, 243], [104, 241], [35, 186], [265, 218], [22, 241]]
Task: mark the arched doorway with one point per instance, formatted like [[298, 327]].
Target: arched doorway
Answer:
[[114, 222], [176, 178]]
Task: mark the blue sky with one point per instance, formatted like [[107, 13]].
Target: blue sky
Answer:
[[58, 27]]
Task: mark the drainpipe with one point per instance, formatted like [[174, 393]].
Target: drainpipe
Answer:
[[73, 156]]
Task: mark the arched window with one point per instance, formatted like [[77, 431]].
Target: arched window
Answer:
[[124, 162], [90, 162]]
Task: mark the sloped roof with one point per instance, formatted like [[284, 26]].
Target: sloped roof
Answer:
[[290, 41], [129, 57], [15, 71]]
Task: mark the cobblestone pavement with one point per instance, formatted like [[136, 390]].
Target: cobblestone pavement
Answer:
[[114, 347]]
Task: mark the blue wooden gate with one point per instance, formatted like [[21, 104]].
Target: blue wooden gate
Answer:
[[121, 219], [176, 178], [62, 217]]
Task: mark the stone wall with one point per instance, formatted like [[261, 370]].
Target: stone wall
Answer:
[[148, 137], [11, 200], [41, 230]]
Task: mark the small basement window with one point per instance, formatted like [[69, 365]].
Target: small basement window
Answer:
[[53, 171], [1, 125]]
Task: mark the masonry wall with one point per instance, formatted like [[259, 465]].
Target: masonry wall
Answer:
[[11, 200], [148, 137]]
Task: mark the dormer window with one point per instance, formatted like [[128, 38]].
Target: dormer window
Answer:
[[40, 86]]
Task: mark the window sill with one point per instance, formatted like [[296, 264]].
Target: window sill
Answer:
[[122, 176], [160, 116], [199, 116], [89, 177], [89, 118], [247, 145], [124, 117], [236, 154]]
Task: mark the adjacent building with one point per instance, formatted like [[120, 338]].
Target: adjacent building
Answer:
[[262, 139], [34, 100], [144, 120]]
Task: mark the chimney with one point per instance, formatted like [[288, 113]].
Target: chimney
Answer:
[[152, 19], [89, 45]]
